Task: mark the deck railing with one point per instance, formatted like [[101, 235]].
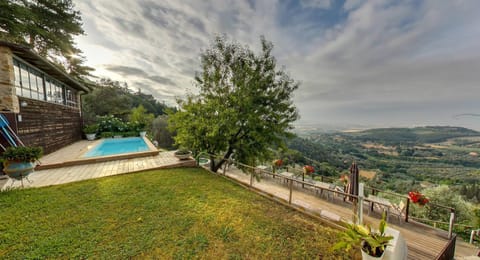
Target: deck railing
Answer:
[[448, 252], [339, 192], [399, 197]]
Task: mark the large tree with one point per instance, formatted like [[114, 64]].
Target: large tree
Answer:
[[107, 98], [243, 108], [47, 26]]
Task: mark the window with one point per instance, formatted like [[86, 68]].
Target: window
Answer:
[[58, 93], [32, 83], [41, 89], [48, 90], [25, 81], [18, 85], [35, 85], [71, 97]]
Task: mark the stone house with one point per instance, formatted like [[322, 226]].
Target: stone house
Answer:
[[40, 101]]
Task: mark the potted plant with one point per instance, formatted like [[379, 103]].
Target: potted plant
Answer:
[[418, 198], [372, 243], [182, 154], [20, 161], [276, 164], [90, 131], [142, 129], [308, 170]]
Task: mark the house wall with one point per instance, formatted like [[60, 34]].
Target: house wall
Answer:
[[39, 123], [8, 99], [48, 125]]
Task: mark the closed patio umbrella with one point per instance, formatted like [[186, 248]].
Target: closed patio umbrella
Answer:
[[353, 189]]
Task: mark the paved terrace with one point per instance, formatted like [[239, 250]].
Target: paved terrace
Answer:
[[63, 166]]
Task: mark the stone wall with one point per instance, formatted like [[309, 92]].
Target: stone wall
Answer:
[[8, 99]]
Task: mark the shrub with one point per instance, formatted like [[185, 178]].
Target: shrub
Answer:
[[130, 134], [443, 195], [107, 134], [161, 134], [141, 118], [111, 124], [90, 129], [25, 154]]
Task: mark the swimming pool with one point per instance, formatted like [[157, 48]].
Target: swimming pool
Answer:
[[118, 146]]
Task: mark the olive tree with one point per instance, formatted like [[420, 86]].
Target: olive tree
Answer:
[[244, 105], [444, 195]]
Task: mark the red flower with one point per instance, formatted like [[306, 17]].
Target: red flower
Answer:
[[417, 197], [308, 169], [277, 162]]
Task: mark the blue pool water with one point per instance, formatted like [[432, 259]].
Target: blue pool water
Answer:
[[118, 146]]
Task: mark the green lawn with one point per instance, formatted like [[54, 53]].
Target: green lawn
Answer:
[[178, 213]]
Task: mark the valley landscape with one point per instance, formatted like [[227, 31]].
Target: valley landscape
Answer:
[[398, 159]]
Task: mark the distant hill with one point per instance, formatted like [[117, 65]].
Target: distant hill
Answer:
[[427, 134]]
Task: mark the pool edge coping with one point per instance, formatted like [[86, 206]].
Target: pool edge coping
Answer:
[[80, 161]]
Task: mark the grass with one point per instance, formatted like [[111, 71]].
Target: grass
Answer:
[[178, 213]]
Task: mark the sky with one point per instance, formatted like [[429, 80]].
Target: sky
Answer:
[[361, 63]]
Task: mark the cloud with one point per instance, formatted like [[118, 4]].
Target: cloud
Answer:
[[353, 58], [162, 80], [323, 4], [131, 27], [126, 71]]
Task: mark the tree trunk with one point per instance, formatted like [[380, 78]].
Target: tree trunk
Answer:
[[214, 167]]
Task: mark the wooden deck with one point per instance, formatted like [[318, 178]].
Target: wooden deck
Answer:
[[423, 242], [74, 173]]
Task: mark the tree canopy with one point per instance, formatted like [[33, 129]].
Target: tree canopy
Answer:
[[243, 107], [140, 114], [111, 98], [47, 26]]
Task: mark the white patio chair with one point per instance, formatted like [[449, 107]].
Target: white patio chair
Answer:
[[398, 210]]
